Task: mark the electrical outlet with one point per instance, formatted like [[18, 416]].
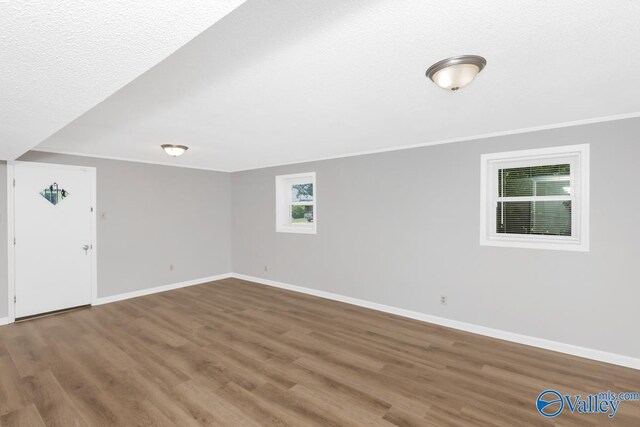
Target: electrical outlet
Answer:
[[265, 268], [443, 300], [171, 267]]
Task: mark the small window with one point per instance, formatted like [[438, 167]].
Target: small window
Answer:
[[296, 203], [536, 198]]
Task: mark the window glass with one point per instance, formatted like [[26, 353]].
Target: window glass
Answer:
[[551, 218], [301, 214], [302, 192], [547, 180]]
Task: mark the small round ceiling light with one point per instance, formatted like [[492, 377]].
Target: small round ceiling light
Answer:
[[174, 150], [456, 72]]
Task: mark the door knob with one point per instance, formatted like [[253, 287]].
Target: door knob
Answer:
[[85, 248]]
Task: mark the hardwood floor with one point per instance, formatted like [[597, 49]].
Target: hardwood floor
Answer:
[[240, 354]]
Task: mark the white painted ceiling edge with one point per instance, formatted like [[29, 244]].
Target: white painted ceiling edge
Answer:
[[61, 58], [364, 153], [289, 82]]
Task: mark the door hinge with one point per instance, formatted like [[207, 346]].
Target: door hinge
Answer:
[[91, 208], [14, 241], [14, 299], [14, 182]]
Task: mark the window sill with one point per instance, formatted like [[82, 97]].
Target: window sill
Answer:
[[574, 246], [296, 229]]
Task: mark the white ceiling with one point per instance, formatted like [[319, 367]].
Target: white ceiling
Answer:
[[60, 58], [289, 81]]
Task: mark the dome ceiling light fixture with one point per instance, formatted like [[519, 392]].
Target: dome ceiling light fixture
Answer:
[[174, 150], [457, 71]]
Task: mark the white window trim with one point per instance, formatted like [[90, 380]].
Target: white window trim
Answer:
[[283, 203], [574, 243]]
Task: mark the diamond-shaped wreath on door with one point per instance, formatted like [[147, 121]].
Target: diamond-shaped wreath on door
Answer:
[[54, 193]]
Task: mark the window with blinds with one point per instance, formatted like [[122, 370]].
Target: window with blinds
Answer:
[[296, 203], [536, 198]]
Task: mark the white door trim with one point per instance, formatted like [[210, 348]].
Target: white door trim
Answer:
[[11, 285], [11, 315]]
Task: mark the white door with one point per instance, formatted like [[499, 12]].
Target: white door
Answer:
[[53, 226]]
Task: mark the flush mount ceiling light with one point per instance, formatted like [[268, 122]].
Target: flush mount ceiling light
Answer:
[[456, 72], [174, 150]]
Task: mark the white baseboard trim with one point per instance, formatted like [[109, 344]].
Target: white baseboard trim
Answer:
[[4, 321], [148, 291], [588, 353]]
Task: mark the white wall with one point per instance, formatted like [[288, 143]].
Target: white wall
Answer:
[[402, 228]]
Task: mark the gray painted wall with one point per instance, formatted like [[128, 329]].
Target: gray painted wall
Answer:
[[155, 216], [402, 228]]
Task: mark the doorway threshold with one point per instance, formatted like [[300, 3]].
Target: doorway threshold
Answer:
[[51, 313]]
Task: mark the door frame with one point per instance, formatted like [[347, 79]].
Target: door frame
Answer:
[[11, 313]]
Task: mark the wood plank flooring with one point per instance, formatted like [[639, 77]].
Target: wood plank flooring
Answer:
[[233, 353]]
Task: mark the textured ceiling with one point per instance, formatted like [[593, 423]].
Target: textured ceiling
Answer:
[[288, 81], [60, 58]]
